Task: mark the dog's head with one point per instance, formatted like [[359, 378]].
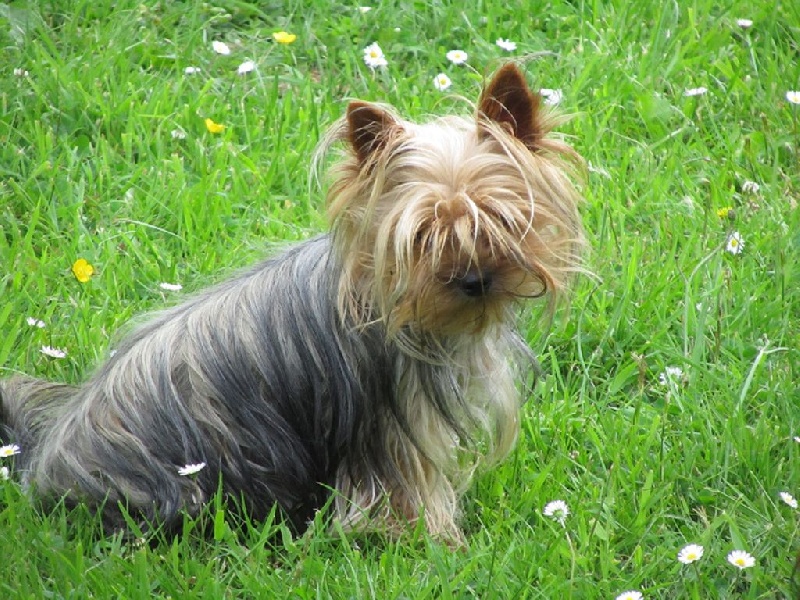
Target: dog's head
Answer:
[[442, 227]]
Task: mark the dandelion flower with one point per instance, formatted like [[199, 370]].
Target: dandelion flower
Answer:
[[284, 38], [221, 48], [82, 270], [34, 322], [556, 510], [788, 499], [9, 450], [724, 212], [246, 67], [171, 287], [53, 352], [457, 57], [441, 82], [552, 97], [698, 91], [670, 374], [793, 96], [744, 23], [735, 243], [507, 45], [214, 127], [373, 56], [750, 187], [631, 595], [191, 469], [690, 554], [741, 559], [191, 70], [4, 473]]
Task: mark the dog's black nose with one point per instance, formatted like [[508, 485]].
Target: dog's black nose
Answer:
[[475, 284]]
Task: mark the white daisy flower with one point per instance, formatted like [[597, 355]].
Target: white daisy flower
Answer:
[[507, 45], [191, 469], [457, 57], [34, 322], [735, 243], [744, 23], [441, 82], [690, 554], [178, 134], [171, 287], [364, 9], [9, 450], [556, 510], [631, 595], [373, 56], [4, 473], [793, 96], [741, 559], [191, 70], [788, 499], [20, 73], [246, 67], [53, 352], [221, 47], [698, 91], [552, 97]]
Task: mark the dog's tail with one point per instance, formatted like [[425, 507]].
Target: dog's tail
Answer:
[[27, 407]]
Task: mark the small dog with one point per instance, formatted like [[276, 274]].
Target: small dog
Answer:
[[370, 370]]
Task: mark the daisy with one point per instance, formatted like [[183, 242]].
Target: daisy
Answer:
[[9, 450], [191, 469], [556, 510], [20, 73], [741, 559], [246, 67], [4, 473], [221, 48], [551, 97], [631, 595], [171, 287], [457, 57], [373, 56], [284, 38], [191, 70], [52, 352], [34, 322], [178, 134], [364, 9], [750, 187], [788, 499], [441, 82], [82, 270], [690, 554], [796, 439], [507, 45], [793, 96], [698, 91], [670, 374], [744, 23], [735, 243]]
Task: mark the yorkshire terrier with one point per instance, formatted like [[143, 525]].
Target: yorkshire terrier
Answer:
[[371, 370]]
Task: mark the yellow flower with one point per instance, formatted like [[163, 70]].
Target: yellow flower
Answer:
[[82, 270], [214, 127], [284, 38], [723, 213]]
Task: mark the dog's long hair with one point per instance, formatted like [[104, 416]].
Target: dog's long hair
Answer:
[[378, 363]]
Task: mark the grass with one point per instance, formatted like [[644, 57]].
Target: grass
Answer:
[[89, 168]]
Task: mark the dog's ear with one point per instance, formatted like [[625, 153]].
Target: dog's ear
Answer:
[[368, 128], [509, 101]]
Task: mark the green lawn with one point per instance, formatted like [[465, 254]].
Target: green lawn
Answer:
[[105, 156]]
